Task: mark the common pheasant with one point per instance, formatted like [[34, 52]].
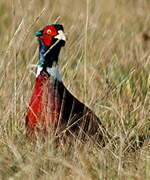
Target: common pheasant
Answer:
[[52, 108]]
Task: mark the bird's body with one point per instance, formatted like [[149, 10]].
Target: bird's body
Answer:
[[53, 109]]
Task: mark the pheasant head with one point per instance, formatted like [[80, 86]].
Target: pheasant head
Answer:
[[51, 38]]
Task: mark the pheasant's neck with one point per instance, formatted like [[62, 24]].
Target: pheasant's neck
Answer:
[[48, 61], [51, 71]]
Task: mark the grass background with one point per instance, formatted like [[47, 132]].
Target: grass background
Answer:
[[105, 63]]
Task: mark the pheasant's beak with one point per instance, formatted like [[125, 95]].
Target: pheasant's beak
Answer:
[[60, 36], [39, 33]]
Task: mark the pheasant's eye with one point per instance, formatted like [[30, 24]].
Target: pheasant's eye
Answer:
[[48, 31]]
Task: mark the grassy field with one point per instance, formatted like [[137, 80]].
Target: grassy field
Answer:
[[105, 63]]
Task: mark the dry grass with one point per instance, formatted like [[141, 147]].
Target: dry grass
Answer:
[[105, 50]]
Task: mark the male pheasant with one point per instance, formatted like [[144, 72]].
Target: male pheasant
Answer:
[[52, 108]]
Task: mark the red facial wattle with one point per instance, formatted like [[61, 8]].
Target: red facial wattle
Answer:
[[47, 40], [48, 33]]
